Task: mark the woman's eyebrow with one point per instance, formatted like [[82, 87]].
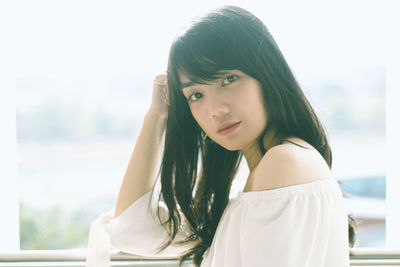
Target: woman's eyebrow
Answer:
[[191, 83], [188, 84]]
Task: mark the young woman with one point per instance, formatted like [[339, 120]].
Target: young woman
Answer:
[[228, 93]]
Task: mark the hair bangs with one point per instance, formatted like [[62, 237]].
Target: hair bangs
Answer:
[[200, 63]]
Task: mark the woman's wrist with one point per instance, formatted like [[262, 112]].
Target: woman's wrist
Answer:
[[157, 122], [156, 117]]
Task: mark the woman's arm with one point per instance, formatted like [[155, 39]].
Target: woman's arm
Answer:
[[140, 174]]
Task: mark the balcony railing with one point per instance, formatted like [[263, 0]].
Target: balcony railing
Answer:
[[76, 258]]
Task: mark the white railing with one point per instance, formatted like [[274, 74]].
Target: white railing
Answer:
[[76, 258]]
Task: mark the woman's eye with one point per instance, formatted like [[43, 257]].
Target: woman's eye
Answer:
[[229, 79], [190, 99], [195, 96]]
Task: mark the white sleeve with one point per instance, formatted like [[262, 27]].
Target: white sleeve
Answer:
[[306, 230], [135, 231]]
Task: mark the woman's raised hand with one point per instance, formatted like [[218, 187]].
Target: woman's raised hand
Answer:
[[160, 98]]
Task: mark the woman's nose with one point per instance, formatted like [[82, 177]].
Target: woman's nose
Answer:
[[217, 107]]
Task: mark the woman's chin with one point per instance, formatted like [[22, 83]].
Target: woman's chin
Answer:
[[230, 147]]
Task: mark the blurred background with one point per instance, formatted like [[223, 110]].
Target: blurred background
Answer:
[[83, 73]]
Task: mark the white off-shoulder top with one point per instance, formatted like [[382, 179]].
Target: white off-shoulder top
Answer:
[[304, 225]]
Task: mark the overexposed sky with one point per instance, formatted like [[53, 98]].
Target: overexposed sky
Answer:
[[96, 38]]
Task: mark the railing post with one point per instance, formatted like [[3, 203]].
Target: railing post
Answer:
[[9, 190], [392, 134]]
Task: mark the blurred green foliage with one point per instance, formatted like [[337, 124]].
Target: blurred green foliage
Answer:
[[56, 227]]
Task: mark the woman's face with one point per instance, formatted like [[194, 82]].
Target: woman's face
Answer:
[[236, 98]]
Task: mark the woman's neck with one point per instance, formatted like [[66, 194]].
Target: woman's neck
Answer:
[[252, 152]]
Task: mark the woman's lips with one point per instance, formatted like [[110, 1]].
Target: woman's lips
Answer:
[[229, 129]]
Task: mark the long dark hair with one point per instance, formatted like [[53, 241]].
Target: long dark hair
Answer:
[[196, 173]]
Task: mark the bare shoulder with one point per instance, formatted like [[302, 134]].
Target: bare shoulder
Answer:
[[288, 164]]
